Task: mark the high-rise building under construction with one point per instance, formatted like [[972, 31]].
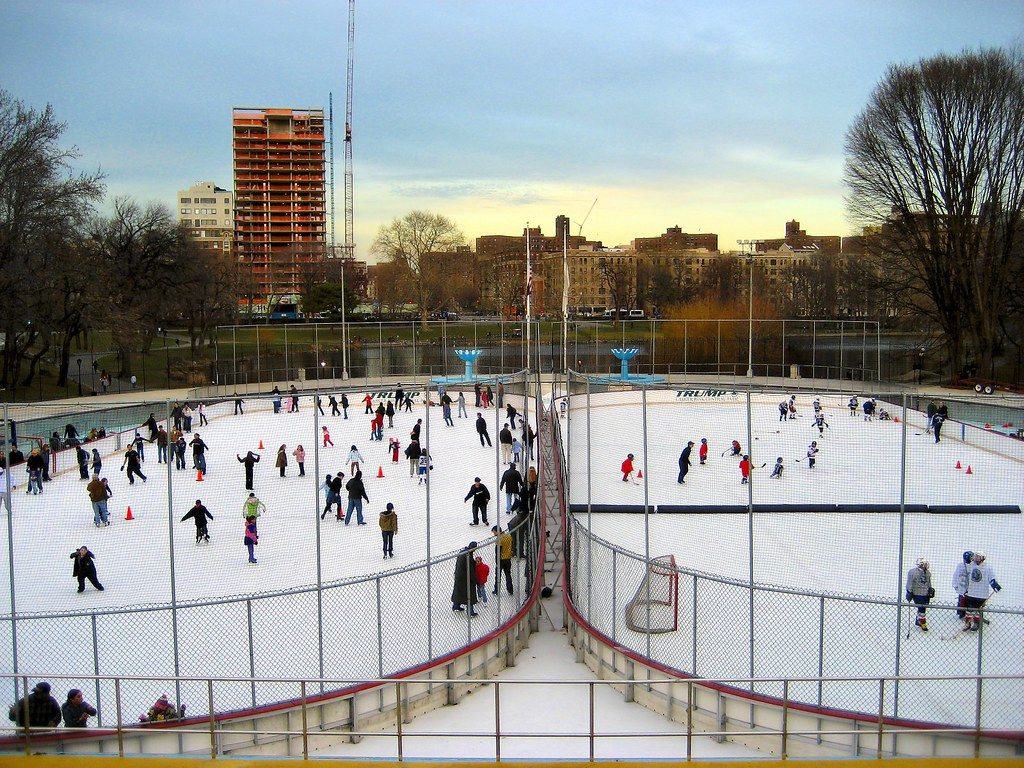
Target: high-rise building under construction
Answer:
[[280, 210]]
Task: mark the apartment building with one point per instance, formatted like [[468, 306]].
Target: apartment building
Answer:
[[208, 213], [280, 196]]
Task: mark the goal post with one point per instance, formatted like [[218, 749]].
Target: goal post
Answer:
[[654, 606]]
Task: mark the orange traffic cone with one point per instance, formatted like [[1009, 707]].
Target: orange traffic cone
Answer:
[[380, 471], [988, 426], [969, 470], [958, 465], [261, 445], [199, 475], [128, 516], [639, 474], [896, 419]]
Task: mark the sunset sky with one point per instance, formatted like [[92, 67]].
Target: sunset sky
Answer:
[[727, 119]]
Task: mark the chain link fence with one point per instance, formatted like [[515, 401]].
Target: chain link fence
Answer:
[[801, 575], [321, 602]]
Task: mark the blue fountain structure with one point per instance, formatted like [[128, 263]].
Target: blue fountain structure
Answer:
[[624, 356], [469, 357]]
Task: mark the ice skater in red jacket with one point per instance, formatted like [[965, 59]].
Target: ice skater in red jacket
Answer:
[[327, 438], [703, 450], [627, 469]]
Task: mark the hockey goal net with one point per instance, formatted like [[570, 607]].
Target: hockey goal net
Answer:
[[655, 605]]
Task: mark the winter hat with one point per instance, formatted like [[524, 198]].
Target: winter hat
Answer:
[[703, 439], [472, 545], [476, 479], [629, 456], [390, 507], [690, 442], [42, 687], [968, 556]]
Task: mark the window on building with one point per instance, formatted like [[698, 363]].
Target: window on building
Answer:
[[208, 200], [186, 200], [184, 210]]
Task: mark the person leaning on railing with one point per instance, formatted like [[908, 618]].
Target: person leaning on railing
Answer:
[[40, 707]]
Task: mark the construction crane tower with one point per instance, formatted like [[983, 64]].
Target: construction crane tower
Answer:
[[349, 251]]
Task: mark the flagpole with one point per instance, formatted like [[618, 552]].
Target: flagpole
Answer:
[[565, 299], [529, 290]]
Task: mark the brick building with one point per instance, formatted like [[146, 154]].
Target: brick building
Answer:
[[674, 239], [799, 240]]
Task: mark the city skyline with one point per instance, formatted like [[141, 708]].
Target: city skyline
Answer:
[[727, 120]]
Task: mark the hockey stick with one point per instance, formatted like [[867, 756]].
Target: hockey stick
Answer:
[[763, 465]]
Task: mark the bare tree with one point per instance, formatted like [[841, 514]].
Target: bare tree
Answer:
[[40, 196], [618, 274], [409, 239], [935, 165]]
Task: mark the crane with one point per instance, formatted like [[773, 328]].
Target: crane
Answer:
[[350, 245]]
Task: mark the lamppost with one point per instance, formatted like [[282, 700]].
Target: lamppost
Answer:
[[344, 340], [752, 244], [920, 364], [79, 376], [167, 354]]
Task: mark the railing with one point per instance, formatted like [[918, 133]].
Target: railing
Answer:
[[302, 728]]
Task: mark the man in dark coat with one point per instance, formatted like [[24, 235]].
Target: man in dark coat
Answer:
[[399, 395], [510, 414], [481, 429], [415, 434], [131, 460], [390, 413], [333, 402], [684, 461], [43, 709], [250, 460], [505, 441], [356, 494], [83, 462], [84, 568], [464, 589], [511, 483], [150, 424], [476, 394], [480, 495], [199, 514]]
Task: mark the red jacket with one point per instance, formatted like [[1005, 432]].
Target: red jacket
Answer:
[[703, 450], [745, 468], [627, 466], [483, 570]]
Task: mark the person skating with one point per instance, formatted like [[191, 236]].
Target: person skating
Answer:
[[869, 409], [394, 446], [35, 465], [389, 529], [446, 410], [480, 495], [294, 393], [399, 395], [83, 461], [319, 404], [368, 402], [333, 495], [812, 453], [333, 402], [356, 495], [238, 406], [703, 450], [503, 556], [131, 460], [98, 498], [281, 462], [511, 483], [300, 458], [684, 461], [199, 514], [937, 421], [505, 441], [792, 406], [150, 423], [250, 461], [416, 429], [462, 405], [464, 588], [816, 405], [344, 405], [981, 584], [627, 469], [961, 580], [777, 471], [481, 429], [511, 414], [161, 445], [423, 466], [201, 410], [140, 446], [783, 410], [251, 537], [412, 452], [253, 507], [820, 423], [85, 568], [354, 459], [853, 406], [407, 402], [919, 590], [744, 470], [76, 711], [389, 411], [734, 448], [180, 446], [97, 461], [186, 416], [198, 453]]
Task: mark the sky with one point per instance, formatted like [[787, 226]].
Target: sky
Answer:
[[726, 118]]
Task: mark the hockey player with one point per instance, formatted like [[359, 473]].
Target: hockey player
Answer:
[[792, 406], [703, 450], [812, 451], [853, 405], [684, 461], [783, 410], [937, 421], [423, 465], [734, 449], [745, 470], [960, 581], [820, 423], [869, 408], [919, 590], [777, 472], [816, 405], [627, 469], [981, 583]]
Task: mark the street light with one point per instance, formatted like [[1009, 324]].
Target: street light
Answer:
[[752, 244], [920, 364], [79, 376], [344, 340], [167, 354]]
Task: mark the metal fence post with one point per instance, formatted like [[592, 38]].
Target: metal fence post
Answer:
[[252, 653], [380, 632]]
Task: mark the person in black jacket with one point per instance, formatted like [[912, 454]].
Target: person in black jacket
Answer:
[[344, 405], [505, 441], [399, 395], [334, 486], [412, 452], [464, 588], [250, 461], [684, 461], [415, 434], [42, 709], [356, 494], [199, 515], [85, 568], [131, 460], [481, 429], [480, 495], [511, 483], [510, 414], [83, 461], [76, 710], [389, 411]]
